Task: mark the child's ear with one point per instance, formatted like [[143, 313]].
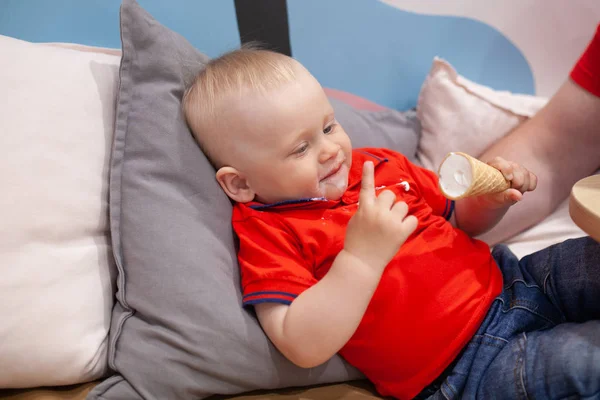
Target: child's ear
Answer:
[[234, 184]]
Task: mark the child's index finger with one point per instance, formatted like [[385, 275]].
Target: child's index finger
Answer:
[[367, 187]]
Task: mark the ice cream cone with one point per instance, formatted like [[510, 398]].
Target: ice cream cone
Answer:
[[461, 175]]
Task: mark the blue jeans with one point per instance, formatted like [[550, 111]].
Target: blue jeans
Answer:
[[541, 336]]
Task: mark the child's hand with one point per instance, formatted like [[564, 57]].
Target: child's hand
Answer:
[[380, 226], [521, 181]]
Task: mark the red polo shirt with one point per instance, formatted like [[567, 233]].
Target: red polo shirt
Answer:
[[431, 298], [586, 72]]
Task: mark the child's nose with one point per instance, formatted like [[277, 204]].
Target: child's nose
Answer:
[[329, 150]]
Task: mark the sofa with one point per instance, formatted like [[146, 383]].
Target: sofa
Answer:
[[121, 279]]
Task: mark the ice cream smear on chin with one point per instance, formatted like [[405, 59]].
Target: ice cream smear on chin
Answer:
[[456, 175], [339, 179]]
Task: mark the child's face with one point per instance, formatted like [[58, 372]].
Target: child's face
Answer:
[[289, 145]]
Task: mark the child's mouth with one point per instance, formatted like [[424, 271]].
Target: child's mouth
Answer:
[[333, 172]]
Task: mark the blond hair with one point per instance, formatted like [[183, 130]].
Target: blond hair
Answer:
[[231, 74]]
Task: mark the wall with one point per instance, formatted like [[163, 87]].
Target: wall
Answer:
[[379, 49]]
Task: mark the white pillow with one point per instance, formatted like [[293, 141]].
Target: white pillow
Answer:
[[459, 115], [58, 278], [555, 228]]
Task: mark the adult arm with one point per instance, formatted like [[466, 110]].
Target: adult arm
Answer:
[[560, 144]]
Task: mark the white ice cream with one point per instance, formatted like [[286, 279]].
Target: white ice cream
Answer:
[[456, 175]]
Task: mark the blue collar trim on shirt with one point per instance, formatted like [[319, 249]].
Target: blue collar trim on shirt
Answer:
[[374, 156], [309, 199], [287, 202]]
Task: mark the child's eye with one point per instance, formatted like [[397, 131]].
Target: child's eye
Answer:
[[302, 149], [328, 129]]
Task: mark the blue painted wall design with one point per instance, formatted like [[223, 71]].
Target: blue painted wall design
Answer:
[[362, 46], [382, 53], [210, 25]]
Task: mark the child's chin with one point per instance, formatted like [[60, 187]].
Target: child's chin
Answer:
[[333, 198], [336, 193]]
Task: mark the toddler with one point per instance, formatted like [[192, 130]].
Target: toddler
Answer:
[[356, 251]]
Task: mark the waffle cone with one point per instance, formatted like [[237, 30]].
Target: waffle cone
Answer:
[[486, 179]]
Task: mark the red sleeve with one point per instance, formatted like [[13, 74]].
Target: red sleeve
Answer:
[[272, 266], [428, 186], [586, 72]]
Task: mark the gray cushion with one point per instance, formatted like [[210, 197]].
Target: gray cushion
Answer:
[[391, 129], [178, 329]]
